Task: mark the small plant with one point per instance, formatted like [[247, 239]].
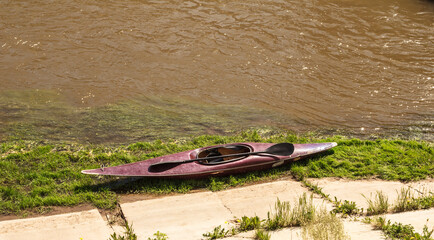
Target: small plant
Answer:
[[284, 216], [346, 207], [401, 231], [325, 226], [281, 217], [128, 234], [218, 232], [260, 234], [377, 206], [407, 202], [159, 236], [251, 223], [303, 212], [403, 201], [316, 189]]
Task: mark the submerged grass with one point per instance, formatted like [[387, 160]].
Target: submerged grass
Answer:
[[35, 175]]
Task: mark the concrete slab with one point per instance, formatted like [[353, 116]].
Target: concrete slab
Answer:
[[287, 234], [361, 231], [260, 199], [423, 187], [344, 189], [242, 236], [417, 219], [180, 217], [71, 226], [293, 233], [354, 229]]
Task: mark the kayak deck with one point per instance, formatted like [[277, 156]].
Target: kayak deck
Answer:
[[219, 166]]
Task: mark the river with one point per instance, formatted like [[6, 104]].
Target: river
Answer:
[[100, 70]]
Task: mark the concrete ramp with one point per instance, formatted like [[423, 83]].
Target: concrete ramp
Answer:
[[71, 226], [180, 217]]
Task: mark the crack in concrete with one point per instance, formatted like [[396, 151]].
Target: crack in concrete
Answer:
[[223, 203], [114, 217]]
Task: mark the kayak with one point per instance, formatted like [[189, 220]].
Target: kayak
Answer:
[[213, 161]]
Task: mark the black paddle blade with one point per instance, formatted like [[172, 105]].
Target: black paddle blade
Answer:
[[163, 166], [281, 149]]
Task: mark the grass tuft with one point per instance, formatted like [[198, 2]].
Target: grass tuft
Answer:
[[346, 208], [284, 216], [399, 230], [249, 223], [406, 201], [316, 189], [159, 236], [128, 234], [379, 205], [218, 232], [324, 226], [260, 234], [281, 217]]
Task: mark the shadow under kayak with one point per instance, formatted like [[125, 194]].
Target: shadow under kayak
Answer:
[[217, 161]]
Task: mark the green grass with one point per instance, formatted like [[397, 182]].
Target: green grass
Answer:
[[324, 226], [316, 189], [128, 234], [159, 236], [407, 201], [379, 205], [281, 216], [218, 232], [261, 234], [285, 216], [36, 175], [249, 223], [399, 230], [346, 208]]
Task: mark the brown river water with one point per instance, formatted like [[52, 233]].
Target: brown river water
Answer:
[[100, 70]]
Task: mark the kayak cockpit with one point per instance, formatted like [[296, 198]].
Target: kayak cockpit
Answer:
[[222, 151]]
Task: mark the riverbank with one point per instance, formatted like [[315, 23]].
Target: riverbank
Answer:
[[39, 176], [242, 213]]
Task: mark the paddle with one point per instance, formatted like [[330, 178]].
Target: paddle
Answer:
[[280, 149]]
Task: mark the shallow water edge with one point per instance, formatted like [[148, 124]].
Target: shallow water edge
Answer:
[[45, 115]]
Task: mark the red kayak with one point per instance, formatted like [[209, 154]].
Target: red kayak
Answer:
[[216, 160]]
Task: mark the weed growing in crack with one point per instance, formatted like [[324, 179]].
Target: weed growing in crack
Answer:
[[249, 223], [406, 201], [346, 207], [379, 205], [128, 234], [281, 217], [325, 225], [260, 234], [284, 216], [159, 236], [315, 224], [218, 232], [316, 189], [399, 230]]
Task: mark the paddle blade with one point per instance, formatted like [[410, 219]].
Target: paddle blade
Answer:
[[281, 149], [163, 166]]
